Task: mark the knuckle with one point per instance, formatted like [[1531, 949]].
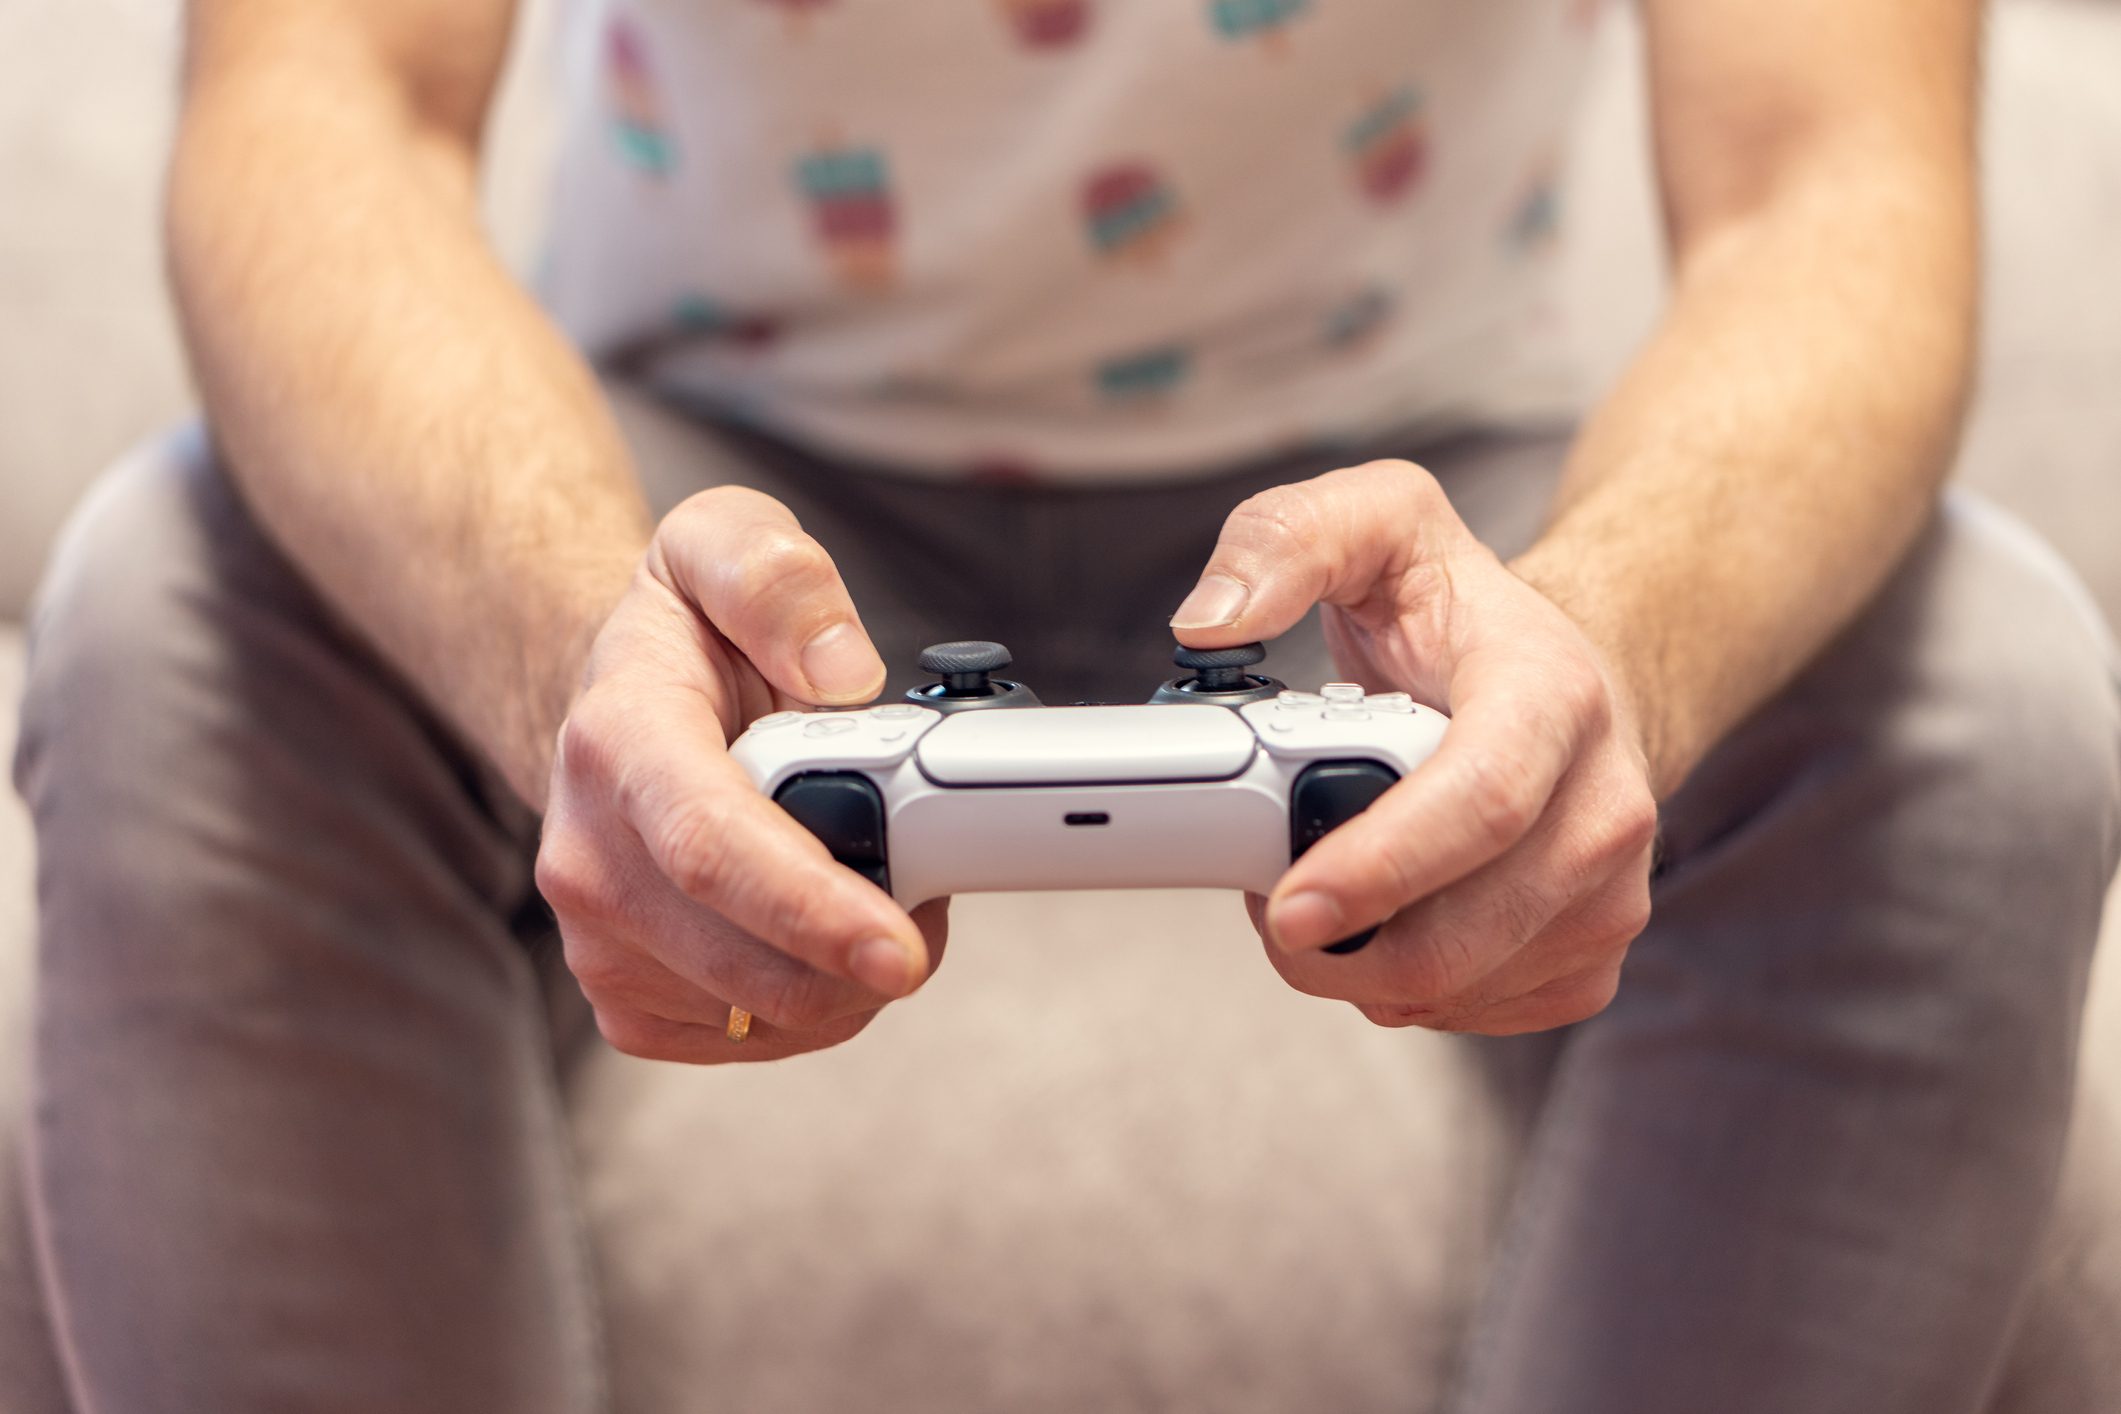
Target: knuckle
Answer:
[[1636, 827], [1395, 1015], [630, 1033], [599, 968], [1278, 520], [1441, 965], [607, 971], [799, 999], [782, 566], [1632, 918], [568, 879], [1585, 997], [1500, 799], [718, 505], [588, 748], [690, 843], [1623, 835], [1399, 475], [1580, 691]]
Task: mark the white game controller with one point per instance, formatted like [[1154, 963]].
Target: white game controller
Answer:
[[970, 785]]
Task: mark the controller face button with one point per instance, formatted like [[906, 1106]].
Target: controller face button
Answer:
[[829, 726], [775, 719], [1347, 712], [1281, 724], [1341, 692], [1297, 701], [895, 712], [1389, 702]]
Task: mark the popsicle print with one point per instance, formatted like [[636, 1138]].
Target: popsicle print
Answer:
[[1131, 213], [1535, 224], [1389, 145], [1146, 377], [701, 316], [1047, 24], [637, 124], [852, 212], [1354, 324], [1265, 20]]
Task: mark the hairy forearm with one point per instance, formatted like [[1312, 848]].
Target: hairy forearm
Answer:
[[1773, 451], [404, 421]]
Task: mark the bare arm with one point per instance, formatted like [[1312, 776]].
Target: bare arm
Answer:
[[1771, 453], [399, 413], [1756, 475], [432, 453]]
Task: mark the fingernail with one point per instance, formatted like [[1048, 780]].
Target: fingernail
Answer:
[[1217, 600], [1307, 920], [840, 665], [883, 965]]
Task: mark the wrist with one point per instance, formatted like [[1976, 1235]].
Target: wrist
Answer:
[[1652, 697], [552, 659]]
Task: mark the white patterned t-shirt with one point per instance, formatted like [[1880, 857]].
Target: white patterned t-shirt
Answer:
[[1067, 239]]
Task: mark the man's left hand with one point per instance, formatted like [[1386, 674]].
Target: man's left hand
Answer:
[[1511, 870]]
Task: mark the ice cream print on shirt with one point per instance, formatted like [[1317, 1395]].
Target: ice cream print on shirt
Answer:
[[1264, 20], [1535, 223], [636, 112], [1145, 378], [704, 317], [852, 212], [1102, 239], [1389, 145], [1354, 323], [1047, 24], [1131, 213]]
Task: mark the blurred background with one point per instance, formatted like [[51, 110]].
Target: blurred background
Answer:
[[89, 364]]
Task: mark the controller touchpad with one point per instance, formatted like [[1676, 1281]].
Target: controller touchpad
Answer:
[[1077, 746]]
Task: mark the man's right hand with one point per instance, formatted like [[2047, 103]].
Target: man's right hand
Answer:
[[680, 890]]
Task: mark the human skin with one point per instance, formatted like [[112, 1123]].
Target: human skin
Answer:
[[441, 463], [1745, 489]]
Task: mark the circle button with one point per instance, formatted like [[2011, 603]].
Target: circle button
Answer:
[[1389, 702]]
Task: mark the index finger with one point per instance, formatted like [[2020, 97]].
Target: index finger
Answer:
[[726, 846], [1482, 791]]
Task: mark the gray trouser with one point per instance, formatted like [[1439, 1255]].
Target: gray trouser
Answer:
[[297, 1138]]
